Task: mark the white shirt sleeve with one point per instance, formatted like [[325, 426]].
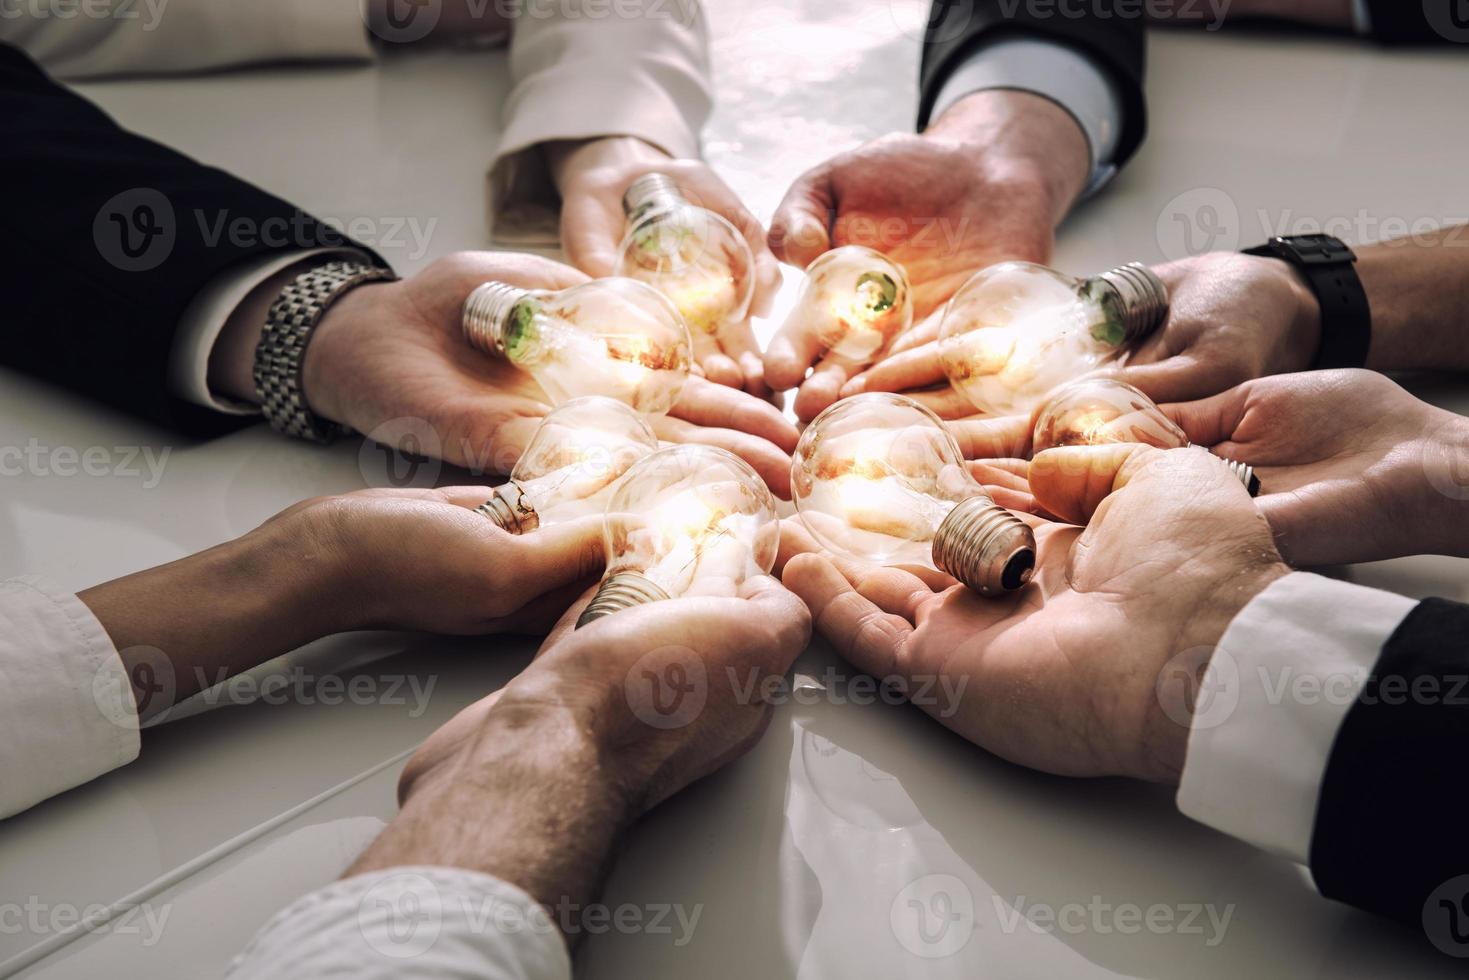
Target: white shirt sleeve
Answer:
[[1361, 17], [583, 69], [165, 36], [1064, 75], [207, 313], [67, 713], [407, 923], [1271, 702]]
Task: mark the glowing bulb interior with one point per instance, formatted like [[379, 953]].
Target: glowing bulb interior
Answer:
[[695, 258], [856, 301], [1097, 411], [694, 520]]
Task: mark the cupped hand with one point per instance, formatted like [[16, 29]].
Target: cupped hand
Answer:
[[1062, 676], [392, 351], [593, 177], [1352, 468], [424, 560], [670, 691], [986, 183]]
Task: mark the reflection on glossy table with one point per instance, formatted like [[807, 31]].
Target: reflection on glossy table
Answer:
[[858, 840]]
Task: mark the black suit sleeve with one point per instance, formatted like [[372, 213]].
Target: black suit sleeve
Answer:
[[106, 237], [1115, 39], [1426, 22], [1390, 818]]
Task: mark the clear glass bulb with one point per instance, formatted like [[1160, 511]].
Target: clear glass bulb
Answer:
[[693, 256], [571, 465], [1016, 330], [617, 338], [855, 300], [879, 478], [1099, 411], [691, 520]]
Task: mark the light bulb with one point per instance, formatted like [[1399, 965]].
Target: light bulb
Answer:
[[878, 477], [855, 301], [612, 337], [1016, 330], [568, 470], [693, 256], [1099, 411], [691, 520]]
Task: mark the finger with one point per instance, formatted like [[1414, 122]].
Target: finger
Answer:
[[792, 351], [710, 191], [753, 367], [872, 640], [591, 235], [822, 389], [893, 590], [925, 331], [778, 607], [801, 228], [920, 367], [1211, 421], [1072, 481], [945, 402], [1002, 437], [1182, 377], [541, 614], [707, 404], [719, 367], [770, 461], [560, 555], [795, 540]]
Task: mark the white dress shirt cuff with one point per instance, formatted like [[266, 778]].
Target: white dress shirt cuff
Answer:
[[641, 72], [407, 923], [1361, 17], [67, 713], [1273, 697], [204, 320], [1059, 73]]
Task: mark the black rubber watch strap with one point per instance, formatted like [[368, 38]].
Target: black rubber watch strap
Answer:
[[1329, 265]]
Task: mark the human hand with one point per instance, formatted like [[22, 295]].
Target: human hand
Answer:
[[1062, 675], [594, 175], [387, 351], [607, 722], [1353, 468], [987, 182]]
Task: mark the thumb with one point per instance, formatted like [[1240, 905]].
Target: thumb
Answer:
[[1211, 421], [801, 229], [1072, 481], [561, 555]]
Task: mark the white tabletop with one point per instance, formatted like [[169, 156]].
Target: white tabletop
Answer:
[[805, 858]]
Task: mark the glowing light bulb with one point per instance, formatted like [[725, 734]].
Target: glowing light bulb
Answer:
[[855, 301], [693, 256], [568, 470], [1016, 330], [1099, 411], [691, 520], [878, 477], [613, 337]]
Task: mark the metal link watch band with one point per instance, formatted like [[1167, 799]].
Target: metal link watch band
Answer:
[[281, 353], [1328, 265]]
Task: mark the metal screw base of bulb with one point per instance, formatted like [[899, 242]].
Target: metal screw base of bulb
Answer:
[[1142, 297], [985, 546], [487, 313], [651, 189], [1243, 472], [510, 511], [625, 590]]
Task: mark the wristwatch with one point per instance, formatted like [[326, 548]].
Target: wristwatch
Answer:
[[1328, 266], [281, 353]]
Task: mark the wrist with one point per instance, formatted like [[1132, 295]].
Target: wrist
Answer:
[[1021, 136], [1179, 689], [1304, 337], [328, 363], [1442, 474], [568, 159]]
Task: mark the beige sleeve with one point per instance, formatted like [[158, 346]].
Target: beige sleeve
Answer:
[[141, 37], [588, 68]]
